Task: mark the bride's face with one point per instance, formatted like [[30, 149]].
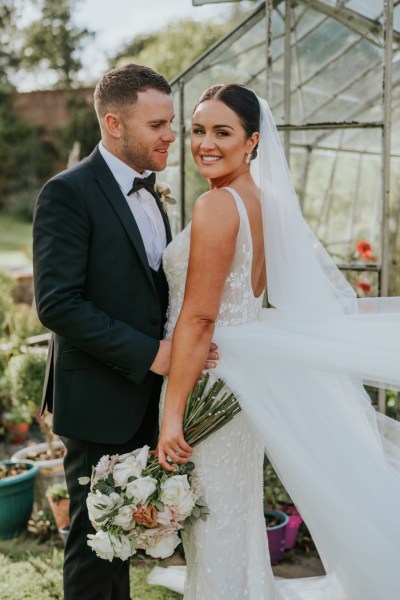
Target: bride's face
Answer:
[[219, 144]]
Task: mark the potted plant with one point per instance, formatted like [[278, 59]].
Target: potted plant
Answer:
[[276, 522], [276, 497], [26, 374], [58, 498], [16, 421], [16, 496]]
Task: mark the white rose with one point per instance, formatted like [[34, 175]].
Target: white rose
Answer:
[[108, 546], [176, 493], [184, 508], [164, 547], [124, 518], [141, 489], [100, 505], [130, 464]]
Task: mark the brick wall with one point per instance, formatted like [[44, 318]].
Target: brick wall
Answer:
[[49, 107]]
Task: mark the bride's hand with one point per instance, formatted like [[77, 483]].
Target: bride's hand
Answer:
[[172, 444]]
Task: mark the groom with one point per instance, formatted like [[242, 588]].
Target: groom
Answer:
[[98, 237]]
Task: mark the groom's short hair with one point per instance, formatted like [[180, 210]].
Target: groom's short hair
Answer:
[[119, 88]]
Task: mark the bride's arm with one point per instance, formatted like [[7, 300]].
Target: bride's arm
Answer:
[[214, 229]]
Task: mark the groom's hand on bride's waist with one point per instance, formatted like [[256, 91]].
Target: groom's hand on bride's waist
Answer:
[[162, 361]]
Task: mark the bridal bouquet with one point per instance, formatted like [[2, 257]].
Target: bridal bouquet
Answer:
[[134, 504]]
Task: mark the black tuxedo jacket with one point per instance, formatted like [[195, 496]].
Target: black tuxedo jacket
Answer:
[[96, 292]]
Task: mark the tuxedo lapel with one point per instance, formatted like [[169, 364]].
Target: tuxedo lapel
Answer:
[[118, 202], [164, 218]]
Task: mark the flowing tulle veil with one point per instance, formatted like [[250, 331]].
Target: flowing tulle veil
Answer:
[[338, 458], [301, 275], [298, 373]]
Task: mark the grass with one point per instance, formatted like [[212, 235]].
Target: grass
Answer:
[[14, 233], [15, 241], [33, 571]]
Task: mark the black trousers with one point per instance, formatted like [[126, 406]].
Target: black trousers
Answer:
[[87, 577]]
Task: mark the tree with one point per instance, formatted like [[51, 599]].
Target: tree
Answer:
[[172, 48], [53, 42], [82, 127], [9, 34], [175, 46]]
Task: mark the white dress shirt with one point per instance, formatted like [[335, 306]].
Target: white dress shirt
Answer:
[[143, 207]]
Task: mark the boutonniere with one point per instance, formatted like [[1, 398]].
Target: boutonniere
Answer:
[[163, 191]]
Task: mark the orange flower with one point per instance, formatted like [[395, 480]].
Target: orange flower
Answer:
[[364, 286], [146, 516], [364, 250]]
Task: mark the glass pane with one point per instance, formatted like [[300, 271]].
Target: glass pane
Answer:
[[369, 8], [333, 70], [339, 191]]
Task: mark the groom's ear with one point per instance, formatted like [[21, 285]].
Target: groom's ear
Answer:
[[113, 125]]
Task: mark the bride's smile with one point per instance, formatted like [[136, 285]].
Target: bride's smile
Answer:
[[219, 143]]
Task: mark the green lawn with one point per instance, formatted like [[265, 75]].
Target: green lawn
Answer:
[[34, 572], [15, 241]]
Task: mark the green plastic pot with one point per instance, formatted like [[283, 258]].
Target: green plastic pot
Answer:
[[16, 500]]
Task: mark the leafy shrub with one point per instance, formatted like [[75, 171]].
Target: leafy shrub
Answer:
[[27, 158], [26, 375], [7, 283]]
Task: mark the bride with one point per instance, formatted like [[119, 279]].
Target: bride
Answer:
[[297, 369]]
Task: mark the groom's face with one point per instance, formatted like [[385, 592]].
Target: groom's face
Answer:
[[146, 131]]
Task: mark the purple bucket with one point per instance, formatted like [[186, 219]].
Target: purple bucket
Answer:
[[276, 535]]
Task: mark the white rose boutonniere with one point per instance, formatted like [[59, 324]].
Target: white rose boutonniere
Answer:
[[163, 191]]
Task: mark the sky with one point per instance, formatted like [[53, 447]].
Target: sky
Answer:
[[118, 21]]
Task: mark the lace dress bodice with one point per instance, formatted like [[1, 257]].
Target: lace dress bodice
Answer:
[[238, 303]]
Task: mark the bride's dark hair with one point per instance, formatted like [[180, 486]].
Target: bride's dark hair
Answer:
[[241, 100]]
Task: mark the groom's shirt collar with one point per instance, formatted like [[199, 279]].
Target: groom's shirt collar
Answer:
[[123, 173]]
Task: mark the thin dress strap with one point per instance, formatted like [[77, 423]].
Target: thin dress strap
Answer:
[[239, 202]]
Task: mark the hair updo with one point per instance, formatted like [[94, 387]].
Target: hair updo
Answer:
[[242, 101]]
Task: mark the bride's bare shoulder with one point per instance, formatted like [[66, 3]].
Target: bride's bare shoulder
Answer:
[[216, 205]]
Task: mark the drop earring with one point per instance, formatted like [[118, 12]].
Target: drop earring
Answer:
[[248, 158]]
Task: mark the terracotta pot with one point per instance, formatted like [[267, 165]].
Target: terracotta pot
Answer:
[[17, 433], [60, 510]]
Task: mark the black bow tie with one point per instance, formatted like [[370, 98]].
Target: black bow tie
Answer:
[[143, 182]]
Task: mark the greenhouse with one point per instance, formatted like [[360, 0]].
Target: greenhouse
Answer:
[[330, 70]]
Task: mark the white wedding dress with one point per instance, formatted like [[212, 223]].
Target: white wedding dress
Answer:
[[298, 380]]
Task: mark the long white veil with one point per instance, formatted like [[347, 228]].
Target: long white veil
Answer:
[[298, 373], [301, 384], [301, 275]]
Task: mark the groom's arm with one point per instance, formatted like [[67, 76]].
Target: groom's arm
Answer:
[[61, 235]]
